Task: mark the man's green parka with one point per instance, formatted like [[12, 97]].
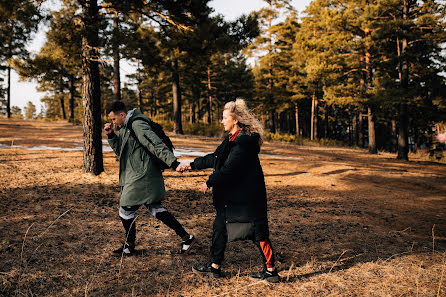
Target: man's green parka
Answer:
[[140, 179]]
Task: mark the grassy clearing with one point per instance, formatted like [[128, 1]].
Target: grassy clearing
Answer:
[[343, 223]]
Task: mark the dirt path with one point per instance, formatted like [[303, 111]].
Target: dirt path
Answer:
[[343, 223]]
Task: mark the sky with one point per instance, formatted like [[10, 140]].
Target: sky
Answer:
[[22, 92]]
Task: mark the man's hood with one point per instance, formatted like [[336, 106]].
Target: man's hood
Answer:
[[134, 113]]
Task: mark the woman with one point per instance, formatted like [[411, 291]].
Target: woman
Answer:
[[239, 194]]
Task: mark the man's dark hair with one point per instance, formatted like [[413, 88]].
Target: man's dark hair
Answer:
[[116, 107]]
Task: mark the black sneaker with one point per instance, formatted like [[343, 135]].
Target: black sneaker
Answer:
[[126, 250], [207, 269], [187, 244], [269, 276]]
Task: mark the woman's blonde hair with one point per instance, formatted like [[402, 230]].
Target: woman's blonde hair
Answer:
[[247, 122]]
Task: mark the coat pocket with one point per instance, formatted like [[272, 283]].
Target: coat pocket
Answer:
[[138, 162]]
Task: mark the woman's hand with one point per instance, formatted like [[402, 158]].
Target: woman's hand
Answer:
[[204, 188], [183, 167]]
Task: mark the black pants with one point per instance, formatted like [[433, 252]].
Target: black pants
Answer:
[[220, 240], [127, 215]]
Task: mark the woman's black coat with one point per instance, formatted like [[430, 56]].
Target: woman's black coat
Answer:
[[237, 182]]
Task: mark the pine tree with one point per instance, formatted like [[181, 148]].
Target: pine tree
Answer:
[[16, 112], [319, 44], [56, 68], [287, 76], [411, 33], [265, 46], [30, 111], [18, 20]]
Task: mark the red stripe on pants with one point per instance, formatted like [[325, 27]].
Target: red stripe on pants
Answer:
[[268, 252]]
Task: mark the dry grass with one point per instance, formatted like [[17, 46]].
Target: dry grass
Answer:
[[343, 223]]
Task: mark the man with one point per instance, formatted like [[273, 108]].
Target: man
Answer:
[[141, 180]]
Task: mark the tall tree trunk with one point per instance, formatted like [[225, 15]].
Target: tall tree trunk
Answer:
[[210, 96], [313, 100], [326, 126], [91, 90], [153, 102], [116, 59], [403, 148], [297, 119], [370, 111], [361, 130], [62, 106], [355, 129], [62, 100], [291, 122], [272, 119], [416, 137], [139, 97], [314, 113], [394, 141], [282, 122], [316, 118], [196, 93], [8, 88], [138, 89], [71, 102], [270, 71], [372, 137], [176, 90], [8, 93]]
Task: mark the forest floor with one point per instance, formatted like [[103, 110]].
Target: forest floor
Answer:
[[343, 223]]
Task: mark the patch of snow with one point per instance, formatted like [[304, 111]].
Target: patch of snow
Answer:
[[178, 152], [44, 147]]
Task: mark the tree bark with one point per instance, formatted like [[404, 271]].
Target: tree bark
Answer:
[[62, 101], [116, 59], [355, 129], [291, 122], [210, 96], [326, 123], [403, 148], [71, 102], [91, 90], [139, 97], [8, 93], [312, 117], [272, 115], [372, 138], [370, 111], [62, 106], [176, 90], [138, 89], [297, 119], [394, 142], [195, 98], [360, 130], [270, 70], [314, 113], [282, 122]]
